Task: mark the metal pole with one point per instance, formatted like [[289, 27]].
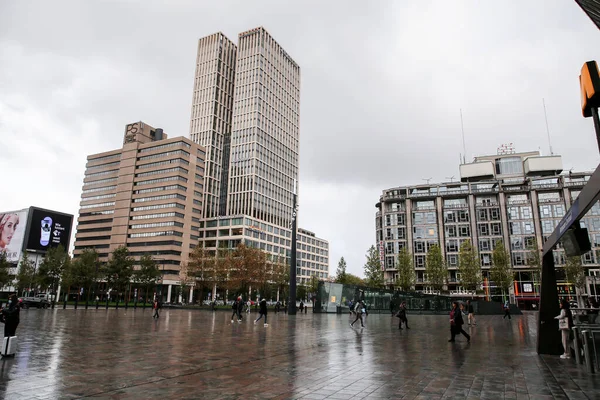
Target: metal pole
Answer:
[[596, 125], [292, 300]]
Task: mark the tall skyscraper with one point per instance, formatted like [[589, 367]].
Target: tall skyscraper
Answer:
[[210, 122], [265, 135]]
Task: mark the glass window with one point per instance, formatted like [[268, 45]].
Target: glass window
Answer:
[[451, 231], [464, 231], [509, 166]]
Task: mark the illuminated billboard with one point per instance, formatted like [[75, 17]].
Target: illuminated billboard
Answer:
[[47, 229], [12, 233]]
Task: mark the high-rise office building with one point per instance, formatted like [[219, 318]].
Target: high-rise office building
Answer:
[[516, 199], [259, 159], [210, 122], [266, 130], [147, 196]]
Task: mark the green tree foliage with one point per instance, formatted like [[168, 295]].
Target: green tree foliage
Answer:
[[501, 272], [340, 274], [200, 269], [406, 272], [435, 268], [148, 274], [4, 269], [469, 266], [26, 278], [372, 268], [313, 284], [83, 272], [574, 271], [119, 270], [52, 267], [352, 279]]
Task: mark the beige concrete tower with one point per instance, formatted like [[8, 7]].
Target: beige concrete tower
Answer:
[[265, 133], [210, 122]]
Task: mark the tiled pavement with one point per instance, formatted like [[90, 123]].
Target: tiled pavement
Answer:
[[118, 354]]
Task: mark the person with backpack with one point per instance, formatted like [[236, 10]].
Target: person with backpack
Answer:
[[506, 310], [565, 324], [10, 316], [402, 315], [262, 311], [360, 310], [156, 306]]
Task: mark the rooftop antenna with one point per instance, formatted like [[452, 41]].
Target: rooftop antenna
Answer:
[[427, 180], [451, 178], [547, 129], [462, 128]]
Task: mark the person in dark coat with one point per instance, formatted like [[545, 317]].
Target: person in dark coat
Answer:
[[10, 316], [234, 308], [402, 315], [240, 308], [456, 323], [262, 311], [156, 307]]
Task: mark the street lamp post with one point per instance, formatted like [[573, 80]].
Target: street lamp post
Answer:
[[292, 301]]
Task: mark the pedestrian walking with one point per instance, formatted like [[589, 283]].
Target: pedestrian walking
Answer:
[[156, 306], [593, 313], [248, 306], [10, 316], [471, 311], [456, 323], [240, 308], [277, 307], [234, 308], [360, 310], [262, 311], [402, 315], [301, 306], [506, 310], [392, 308], [565, 324]]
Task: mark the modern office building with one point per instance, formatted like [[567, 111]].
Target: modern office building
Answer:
[[210, 122], [514, 198], [146, 195], [230, 231], [246, 112]]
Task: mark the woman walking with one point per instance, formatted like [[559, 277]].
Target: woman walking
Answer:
[[360, 310], [565, 323], [456, 323], [10, 316], [262, 311], [402, 315]]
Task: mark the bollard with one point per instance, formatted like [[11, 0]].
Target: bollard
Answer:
[[576, 344], [588, 352], [65, 304], [86, 304], [97, 304], [107, 303], [117, 306], [76, 301]]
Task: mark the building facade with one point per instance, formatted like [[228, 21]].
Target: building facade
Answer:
[[212, 108], [246, 112], [266, 130], [147, 196], [516, 199]]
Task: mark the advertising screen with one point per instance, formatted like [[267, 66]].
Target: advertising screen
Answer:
[[12, 233], [48, 229]]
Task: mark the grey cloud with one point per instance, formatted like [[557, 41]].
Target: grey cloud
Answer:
[[382, 86]]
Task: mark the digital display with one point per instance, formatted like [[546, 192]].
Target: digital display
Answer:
[[528, 287], [12, 233], [48, 229]]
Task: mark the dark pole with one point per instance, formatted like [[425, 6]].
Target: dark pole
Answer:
[[292, 300], [596, 124], [549, 341]]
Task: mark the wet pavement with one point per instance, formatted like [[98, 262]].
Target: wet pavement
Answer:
[[119, 354]]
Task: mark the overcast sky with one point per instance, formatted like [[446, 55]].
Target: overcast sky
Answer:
[[382, 88]]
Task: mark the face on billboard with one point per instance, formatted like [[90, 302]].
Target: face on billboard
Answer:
[[49, 229], [12, 232]]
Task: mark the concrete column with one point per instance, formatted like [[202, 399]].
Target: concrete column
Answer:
[[214, 292], [169, 294], [192, 295]]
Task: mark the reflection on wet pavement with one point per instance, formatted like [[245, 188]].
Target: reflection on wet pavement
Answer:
[[202, 355]]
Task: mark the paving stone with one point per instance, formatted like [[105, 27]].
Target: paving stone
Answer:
[[119, 354]]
